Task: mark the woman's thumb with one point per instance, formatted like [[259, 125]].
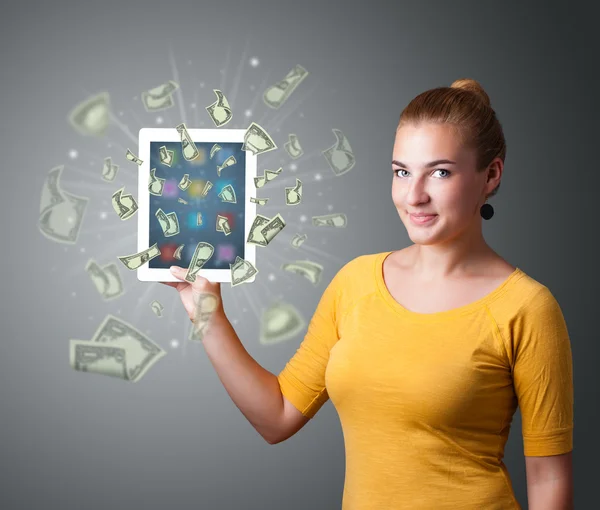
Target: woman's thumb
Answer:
[[178, 272], [199, 284]]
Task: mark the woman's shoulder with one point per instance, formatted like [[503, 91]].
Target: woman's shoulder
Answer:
[[361, 263]]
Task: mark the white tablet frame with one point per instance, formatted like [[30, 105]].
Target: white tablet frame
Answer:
[[147, 135]]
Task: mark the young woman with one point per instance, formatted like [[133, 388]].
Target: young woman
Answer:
[[427, 351]]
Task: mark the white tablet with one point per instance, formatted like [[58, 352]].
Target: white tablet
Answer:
[[216, 183]]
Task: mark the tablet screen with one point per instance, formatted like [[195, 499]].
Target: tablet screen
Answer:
[[197, 213]]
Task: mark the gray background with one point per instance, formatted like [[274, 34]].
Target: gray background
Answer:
[[175, 440]]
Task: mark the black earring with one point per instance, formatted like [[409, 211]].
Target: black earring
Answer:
[[486, 211]]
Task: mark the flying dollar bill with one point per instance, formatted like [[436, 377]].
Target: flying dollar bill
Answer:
[[155, 184], [182, 201], [94, 358], [228, 194], [340, 156], [124, 205], [293, 195], [157, 308], [223, 225], [264, 229], [271, 229], [206, 188], [298, 239], [185, 182], [188, 147], [268, 175], [134, 261], [330, 220], [203, 252], [204, 309], [165, 155], [219, 111], [215, 148], [132, 157], [292, 147], [109, 171], [91, 117], [159, 98], [242, 271], [51, 191], [255, 236], [106, 279], [228, 162], [280, 322], [62, 222], [61, 213], [259, 201], [194, 336], [117, 349], [257, 140], [177, 254], [307, 268], [169, 223], [277, 94]]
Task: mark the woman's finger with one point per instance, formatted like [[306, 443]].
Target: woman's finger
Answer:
[[178, 272], [170, 284]]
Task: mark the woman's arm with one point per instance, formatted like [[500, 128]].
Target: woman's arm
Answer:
[[550, 482]]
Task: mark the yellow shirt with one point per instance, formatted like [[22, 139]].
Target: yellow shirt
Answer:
[[426, 400]]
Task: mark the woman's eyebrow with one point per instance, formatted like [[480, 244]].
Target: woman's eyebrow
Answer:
[[430, 164]]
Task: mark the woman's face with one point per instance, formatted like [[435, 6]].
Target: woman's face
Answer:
[[453, 190]]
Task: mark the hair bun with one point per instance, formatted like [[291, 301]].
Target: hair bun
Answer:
[[472, 86]]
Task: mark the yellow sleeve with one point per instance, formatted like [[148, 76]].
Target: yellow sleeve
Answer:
[[543, 377], [302, 381]]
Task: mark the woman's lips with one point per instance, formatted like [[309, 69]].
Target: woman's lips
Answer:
[[421, 220]]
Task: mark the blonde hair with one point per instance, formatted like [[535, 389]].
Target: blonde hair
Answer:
[[465, 106]]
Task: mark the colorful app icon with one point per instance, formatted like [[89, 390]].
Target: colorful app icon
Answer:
[[167, 251], [226, 252]]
